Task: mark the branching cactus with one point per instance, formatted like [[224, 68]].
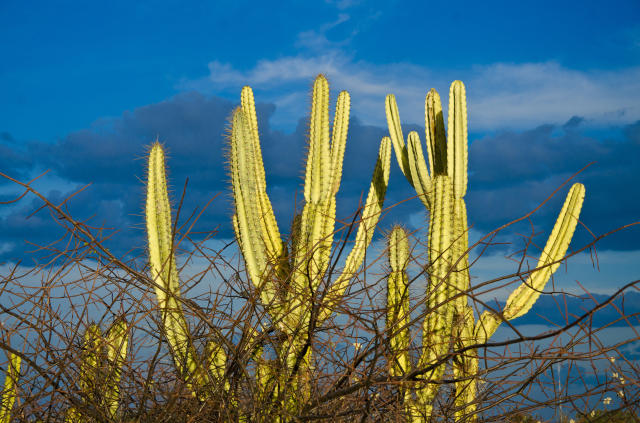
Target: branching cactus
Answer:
[[9, 393], [441, 187], [288, 282], [442, 192], [165, 274], [518, 303]]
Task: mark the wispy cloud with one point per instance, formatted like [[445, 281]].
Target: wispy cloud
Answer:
[[500, 95]]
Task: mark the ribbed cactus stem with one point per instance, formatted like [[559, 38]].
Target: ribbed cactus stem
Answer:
[[465, 368], [398, 310], [288, 282], [164, 272], [438, 323], [435, 133], [116, 347], [524, 297], [369, 219], [9, 393], [91, 361]]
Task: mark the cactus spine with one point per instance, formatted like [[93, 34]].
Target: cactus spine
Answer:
[[441, 188], [288, 282], [9, 393]]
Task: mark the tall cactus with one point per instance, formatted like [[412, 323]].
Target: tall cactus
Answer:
[[165, 273], [12, 374], [398, 310], [520, 301], [441, 188], [288, 281]]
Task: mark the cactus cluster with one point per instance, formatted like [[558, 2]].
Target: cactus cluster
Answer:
[[100, 371], [289, 277], [449, 321]]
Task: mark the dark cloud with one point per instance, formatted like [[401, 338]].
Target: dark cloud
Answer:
[[573, 123], [511, 173], [6, 137]]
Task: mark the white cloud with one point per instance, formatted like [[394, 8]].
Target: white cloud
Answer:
[[501, 95]]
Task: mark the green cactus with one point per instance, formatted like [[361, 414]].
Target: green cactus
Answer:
[[522, 299], [398, 310], [441, 188], [165, 276], [116, 351], [12, 374], [101, 369], [92, 348], [288, 281]]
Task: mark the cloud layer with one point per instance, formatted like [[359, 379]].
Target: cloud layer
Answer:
[[511, 173], [500, 95]]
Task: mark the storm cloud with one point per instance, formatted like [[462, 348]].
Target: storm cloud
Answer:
[[510, 174]]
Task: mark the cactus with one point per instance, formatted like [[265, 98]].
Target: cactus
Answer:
[[441, 188], [165, 273], [101, 369], [523, 298], [116, 352], [288, 281], [9, 393], [398, 310]]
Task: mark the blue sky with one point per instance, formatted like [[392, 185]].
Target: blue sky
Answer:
[[552, 86]]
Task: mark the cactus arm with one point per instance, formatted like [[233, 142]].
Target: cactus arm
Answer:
[[522, 299], [117, 339], [92, 346], [322, 180], [457, 141], [419, 173], [317, 178], [9, 392], [435, 134], [268, 224], [163, 264], [397, 139], [460, 278], [339, 140], [370, 216], [247, 220]]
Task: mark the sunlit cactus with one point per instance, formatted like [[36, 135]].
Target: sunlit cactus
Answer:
[[116, 352], [288, 280], [524, 297], [441, 187], [101, 370], [92, 349], [398, 310], [164, 272], [9, 393]]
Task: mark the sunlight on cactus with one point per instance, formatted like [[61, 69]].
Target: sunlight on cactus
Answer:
[[12, 374], [441, 188], [288, 282]]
